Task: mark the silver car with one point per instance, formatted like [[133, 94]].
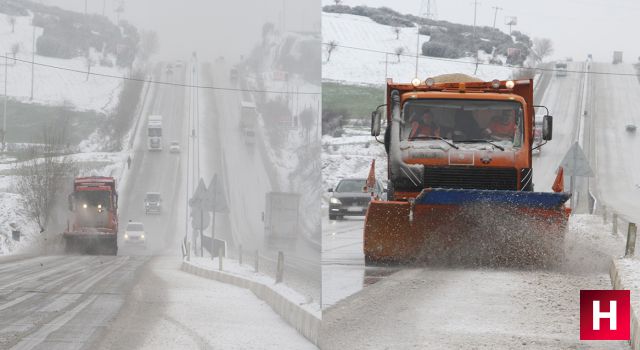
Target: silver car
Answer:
[[134, 233]]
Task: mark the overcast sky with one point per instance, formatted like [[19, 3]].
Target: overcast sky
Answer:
[[212, 28], [577, 27]]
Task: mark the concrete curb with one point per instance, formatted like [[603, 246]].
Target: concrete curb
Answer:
[[304, 322], [617, 283]]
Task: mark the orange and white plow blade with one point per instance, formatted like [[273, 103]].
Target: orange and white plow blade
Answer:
[[474, 233]]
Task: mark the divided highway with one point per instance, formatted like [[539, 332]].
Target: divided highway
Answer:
[[140, 298]]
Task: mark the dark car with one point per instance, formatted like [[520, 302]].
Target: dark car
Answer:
[[350, 198], [152, 203]]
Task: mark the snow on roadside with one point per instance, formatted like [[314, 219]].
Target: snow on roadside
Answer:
[[52, 86], [350, 155], [351, 66], [232, 267]]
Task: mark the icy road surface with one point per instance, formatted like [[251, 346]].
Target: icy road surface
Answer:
[[479, 308], [58, 302]]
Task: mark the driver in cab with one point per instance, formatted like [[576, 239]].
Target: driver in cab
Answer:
[[425, 126]]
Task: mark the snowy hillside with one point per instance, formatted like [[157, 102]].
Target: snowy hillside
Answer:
[[349, 64], [53, 86]]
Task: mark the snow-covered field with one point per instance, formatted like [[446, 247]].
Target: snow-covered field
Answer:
[[54, 86], [350, 65], [350, 156]]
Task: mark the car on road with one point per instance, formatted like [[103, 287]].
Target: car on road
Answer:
[[134, 233], [351, 198], [174, 147], [631, 127], [152, 203]]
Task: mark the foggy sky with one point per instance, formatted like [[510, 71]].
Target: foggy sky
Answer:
[[212, 28], [576, 27]]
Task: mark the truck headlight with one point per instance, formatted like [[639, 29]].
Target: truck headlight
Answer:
[[334, 200], [126, 236], [142, 236]]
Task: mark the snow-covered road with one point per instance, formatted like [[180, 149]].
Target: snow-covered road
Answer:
[[247, 180], [464, 308], [615, 103]]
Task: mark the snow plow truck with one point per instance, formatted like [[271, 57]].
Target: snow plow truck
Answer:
[[460, 176], [93, 223]]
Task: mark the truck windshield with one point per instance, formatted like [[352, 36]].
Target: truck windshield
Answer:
[[155, 132], [93, 199], [153, 197], [463, 120]]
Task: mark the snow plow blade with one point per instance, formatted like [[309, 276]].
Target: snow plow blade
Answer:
[[467, 227]]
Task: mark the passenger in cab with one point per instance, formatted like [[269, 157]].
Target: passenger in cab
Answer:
[[502, 126]]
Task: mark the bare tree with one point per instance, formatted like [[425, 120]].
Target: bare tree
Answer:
[[331, 46], [42, 177], [338, 2], [399, 51], [542, 47], [15, 48], [12, 22], [396, 30]]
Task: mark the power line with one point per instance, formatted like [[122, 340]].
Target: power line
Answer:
[[481, 63], [159, 82]]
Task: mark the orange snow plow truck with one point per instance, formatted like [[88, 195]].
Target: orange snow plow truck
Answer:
[[460, 176], [93, 223]]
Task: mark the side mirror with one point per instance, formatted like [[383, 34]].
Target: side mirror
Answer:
[[330, 190], [375, 122], [547, 127]]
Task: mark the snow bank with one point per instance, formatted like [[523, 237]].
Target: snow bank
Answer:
[[290, 305], [625, 274], [353, 66], [53, 86]]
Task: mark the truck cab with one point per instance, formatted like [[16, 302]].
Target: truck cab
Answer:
[[481, 135], [248, 121], [154, 133], [94, 216]]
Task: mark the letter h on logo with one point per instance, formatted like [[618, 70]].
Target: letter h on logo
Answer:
[[599, 306]]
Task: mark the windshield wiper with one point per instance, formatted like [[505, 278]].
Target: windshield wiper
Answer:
[[435, 138], [482, 140]]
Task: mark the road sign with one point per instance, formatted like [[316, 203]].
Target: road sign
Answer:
[[215, 194], [575, 163], [199, 196], [200, 219]]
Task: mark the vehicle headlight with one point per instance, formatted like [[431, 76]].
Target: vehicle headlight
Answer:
[[126, 236], [334, 200], [142, 236]]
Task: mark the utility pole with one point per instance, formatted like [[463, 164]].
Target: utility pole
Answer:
[[495, 14], [418, 38], [4, 115], [475, 37], [33, 59], [85, 7]]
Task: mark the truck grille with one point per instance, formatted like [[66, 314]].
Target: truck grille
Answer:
[[471, 178]]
